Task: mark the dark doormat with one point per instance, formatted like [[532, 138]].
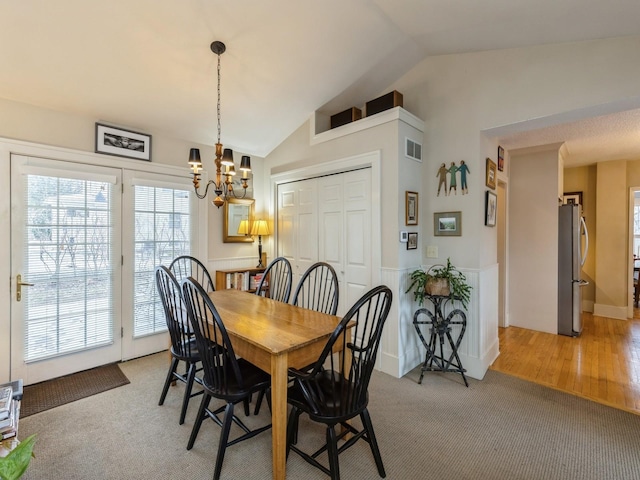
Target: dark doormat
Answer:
[[53, 393]]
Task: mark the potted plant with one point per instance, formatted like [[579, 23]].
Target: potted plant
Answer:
[[445, 280], [16, 462]]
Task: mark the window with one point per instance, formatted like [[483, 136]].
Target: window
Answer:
[[68, 258], [162, 226]]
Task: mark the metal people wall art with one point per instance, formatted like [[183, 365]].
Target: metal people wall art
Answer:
[[452, 172]]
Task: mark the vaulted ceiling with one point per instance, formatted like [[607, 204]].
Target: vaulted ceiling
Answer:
[[147, 65]]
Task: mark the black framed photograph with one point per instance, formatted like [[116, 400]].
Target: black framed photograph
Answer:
[[123, 143], [412, 241], [490, 208], [411, 208], [500, 158], [572, 198], [447, 224]]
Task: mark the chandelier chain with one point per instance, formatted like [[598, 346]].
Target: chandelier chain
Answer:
[[218, 98]]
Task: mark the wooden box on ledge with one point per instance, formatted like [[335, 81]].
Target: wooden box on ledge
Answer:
[[385, 102], [350, 115]]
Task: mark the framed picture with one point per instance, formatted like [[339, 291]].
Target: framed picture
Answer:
[[411, 208], [412, 241], [574, 198], [123, 143], [447, 224], [500, 158], [491, 174], [490, 208]]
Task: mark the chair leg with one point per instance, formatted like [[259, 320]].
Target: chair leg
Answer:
[[292, 429], [332, 451], [224, 439], [368, 426], [202, 414], [169, 380], [258, 402], [247, 411], [191, 375]]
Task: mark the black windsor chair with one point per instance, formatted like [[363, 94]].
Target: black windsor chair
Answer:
[[318, 289], [186, 266], [183, 344], [335, 395], [226, 377], [276, 280]]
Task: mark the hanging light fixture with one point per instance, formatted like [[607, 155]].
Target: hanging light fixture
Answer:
[[225, 169]]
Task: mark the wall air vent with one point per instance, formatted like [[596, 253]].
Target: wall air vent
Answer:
[[413, 149]]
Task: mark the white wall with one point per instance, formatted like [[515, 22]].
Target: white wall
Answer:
[[533, 240]]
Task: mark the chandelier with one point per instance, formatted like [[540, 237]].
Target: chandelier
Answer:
[[225, 169]]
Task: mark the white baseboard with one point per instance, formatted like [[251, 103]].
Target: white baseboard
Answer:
[[610, 311]]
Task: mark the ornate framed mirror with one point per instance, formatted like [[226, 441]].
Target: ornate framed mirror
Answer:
[[235, 211]]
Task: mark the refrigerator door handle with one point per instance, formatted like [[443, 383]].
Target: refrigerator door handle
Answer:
[[586, 242]]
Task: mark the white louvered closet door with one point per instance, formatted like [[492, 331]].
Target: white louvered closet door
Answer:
[[65, 242]]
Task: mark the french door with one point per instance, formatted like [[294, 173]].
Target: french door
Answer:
[[65, 266], [85, 241]]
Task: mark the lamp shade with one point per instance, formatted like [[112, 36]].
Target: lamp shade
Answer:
[[227, 157], [194, 156], [245, 163], [260, 227], [243, 228]]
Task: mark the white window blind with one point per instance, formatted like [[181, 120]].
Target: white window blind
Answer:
[[68, 257], [162, 220]]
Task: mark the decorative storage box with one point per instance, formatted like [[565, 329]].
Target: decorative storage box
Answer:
[[350, 115], [385, 102]]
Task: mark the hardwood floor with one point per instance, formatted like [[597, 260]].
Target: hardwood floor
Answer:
[[602, 364]]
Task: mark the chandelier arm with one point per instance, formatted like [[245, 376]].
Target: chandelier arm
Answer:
[[206, 190]]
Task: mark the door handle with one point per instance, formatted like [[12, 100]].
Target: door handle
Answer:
[[20, 284]]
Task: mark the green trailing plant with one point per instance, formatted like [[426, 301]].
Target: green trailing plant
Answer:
[[444, 280], [16, 462]]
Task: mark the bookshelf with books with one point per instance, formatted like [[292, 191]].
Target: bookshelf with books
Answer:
[[245, 279]]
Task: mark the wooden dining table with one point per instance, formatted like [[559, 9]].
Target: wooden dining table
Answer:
[[274, 336]]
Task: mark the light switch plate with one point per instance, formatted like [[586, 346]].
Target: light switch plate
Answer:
[[432, 251]]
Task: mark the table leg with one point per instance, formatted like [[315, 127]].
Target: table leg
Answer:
[[279, 414]]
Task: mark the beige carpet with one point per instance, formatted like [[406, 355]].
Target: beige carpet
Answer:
[[59, 391], [498, 428]]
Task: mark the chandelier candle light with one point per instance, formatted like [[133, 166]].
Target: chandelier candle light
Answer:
[[260, 228], [222, 188]]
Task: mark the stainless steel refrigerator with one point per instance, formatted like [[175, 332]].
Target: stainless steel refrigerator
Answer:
[[573, 244]]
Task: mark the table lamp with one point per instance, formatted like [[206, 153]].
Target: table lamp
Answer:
[[260, 228]]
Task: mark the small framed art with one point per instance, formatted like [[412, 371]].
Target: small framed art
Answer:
[[412, 241], [447, 224], [490, 208], [123, 143], [491, 174], [500, 159], [411, 208], [572, 198]]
